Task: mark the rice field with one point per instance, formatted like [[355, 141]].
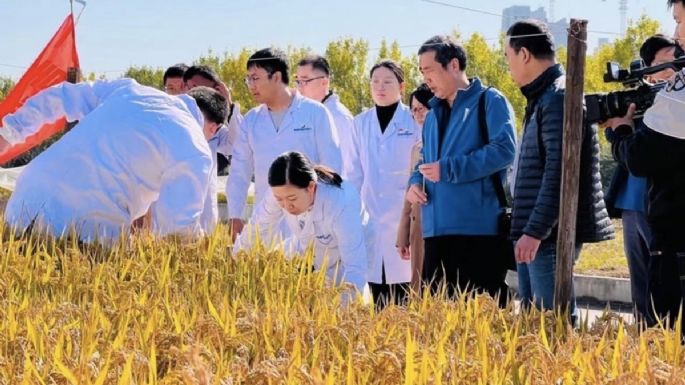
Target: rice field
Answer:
[[162, 312]]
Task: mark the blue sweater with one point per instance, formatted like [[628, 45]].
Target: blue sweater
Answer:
[[464, 201]]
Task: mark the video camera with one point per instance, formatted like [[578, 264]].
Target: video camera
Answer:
[[603, 106]]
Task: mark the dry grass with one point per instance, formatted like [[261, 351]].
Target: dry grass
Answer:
[[156, 312], [604, 258]]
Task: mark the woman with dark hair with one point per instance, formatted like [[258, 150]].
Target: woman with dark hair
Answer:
[[409, 236], [383, 137], [319, 208]]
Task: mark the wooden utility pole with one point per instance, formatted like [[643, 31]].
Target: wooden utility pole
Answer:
[[570, 168]]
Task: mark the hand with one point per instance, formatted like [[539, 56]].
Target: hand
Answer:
[[235, 227], [430, 171], [404, 252], [4, 145], [623, 120], [416, 195], [224, 91], [526, 248]]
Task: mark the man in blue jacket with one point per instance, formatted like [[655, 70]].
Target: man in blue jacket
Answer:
[[454, 183], [536, 178]]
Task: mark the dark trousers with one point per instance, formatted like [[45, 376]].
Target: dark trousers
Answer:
[[637, 237], [466, 263], [667, 284], [385, 294]]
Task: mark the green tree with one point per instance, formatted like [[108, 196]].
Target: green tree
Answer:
[[6, 85], [145, 75], [348, 60]]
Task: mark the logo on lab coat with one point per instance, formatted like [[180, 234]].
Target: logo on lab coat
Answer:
[[303, 128], [405, 132], [324, 239]]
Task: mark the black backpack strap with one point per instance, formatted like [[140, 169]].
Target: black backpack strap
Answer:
[[496, 180]]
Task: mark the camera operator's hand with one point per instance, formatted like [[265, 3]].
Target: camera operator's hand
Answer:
[[626, 120]]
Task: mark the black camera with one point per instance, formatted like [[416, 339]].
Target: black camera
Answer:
[[603, 106]]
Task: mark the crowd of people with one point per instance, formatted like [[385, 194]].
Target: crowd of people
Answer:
[[401, 197]]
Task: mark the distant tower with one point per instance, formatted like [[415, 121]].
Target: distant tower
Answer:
[[551, 11], [623, 10]]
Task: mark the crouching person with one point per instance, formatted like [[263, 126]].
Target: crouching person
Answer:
[[319, 208], [134, 145]]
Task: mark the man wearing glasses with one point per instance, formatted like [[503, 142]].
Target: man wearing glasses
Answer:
[[284, 121], [314, 81]]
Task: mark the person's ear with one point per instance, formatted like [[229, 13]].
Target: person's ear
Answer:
[[454, 64], [526, 56]]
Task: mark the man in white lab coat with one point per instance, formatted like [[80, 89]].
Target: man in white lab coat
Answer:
[[313, 80], [284, 121], [134, 145], [221, 144]]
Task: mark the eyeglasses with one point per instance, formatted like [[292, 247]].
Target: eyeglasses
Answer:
[[249, 80], [304, 82], [418, 110]]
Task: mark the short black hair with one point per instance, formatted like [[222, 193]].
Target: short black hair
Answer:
[[671, 3], [654, 44], [175, 71], [203, 71], [533, 35], [272, 60], [422, 94], [211, 102], [392, 66], [317, 62], [446, 48]]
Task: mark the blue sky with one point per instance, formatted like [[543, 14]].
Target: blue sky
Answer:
[[113, 34]]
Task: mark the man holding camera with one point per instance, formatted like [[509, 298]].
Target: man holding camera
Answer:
[[657, 153], [626, 196]]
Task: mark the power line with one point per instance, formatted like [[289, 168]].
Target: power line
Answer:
[[484, 12], [463, 8]]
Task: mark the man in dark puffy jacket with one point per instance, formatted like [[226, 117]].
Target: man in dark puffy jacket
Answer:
[[536, 175]]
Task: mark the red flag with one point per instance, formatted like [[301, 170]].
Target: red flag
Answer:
[[48, 69]]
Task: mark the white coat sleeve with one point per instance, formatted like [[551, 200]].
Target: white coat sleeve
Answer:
[[355, 172], [345, 125], [264, 223], [182, 197], [349, 231], [327, 142], [229, 132], [240, 172], [64, 100]]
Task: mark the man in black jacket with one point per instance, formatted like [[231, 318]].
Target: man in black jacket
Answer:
[[537, 167], [627, 194], [658, 154]]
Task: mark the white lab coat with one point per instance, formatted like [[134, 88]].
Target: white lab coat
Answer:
[[337, 226], [134, 145], [380, 170], [221, 143], [344, 123], [307, 127]]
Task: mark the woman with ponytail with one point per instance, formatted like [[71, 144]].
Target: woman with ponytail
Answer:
[[320, 209]]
